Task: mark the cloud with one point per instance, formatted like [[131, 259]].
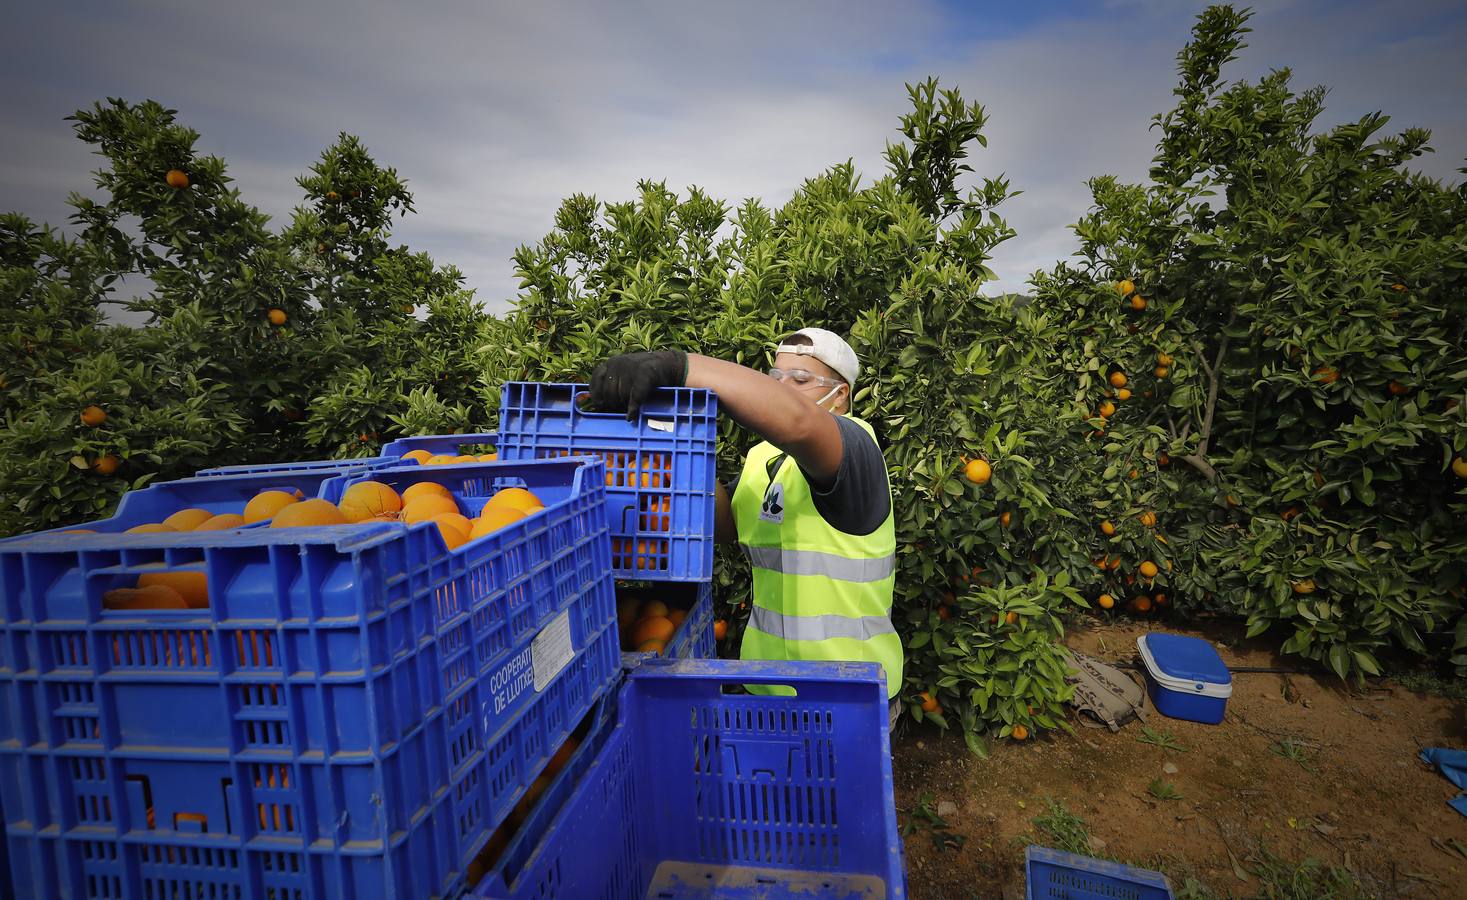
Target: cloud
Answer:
[[495, 113]]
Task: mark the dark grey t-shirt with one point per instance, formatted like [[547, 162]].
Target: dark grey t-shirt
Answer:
[[858, 500]]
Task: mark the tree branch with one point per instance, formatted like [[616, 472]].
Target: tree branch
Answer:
[[1201, 464], [1198, 460]]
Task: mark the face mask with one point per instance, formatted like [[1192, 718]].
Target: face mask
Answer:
[[828, 394]]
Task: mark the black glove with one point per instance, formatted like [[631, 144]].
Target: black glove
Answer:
[[627, 381]]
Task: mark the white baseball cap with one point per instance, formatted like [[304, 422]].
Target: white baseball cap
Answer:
[[828, 347]]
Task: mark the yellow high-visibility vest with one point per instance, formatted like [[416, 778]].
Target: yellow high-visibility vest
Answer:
[[819, 593]]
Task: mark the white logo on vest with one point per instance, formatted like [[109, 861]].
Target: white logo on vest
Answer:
[[772, 509]]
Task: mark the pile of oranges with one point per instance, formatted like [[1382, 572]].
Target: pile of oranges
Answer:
[[424, 458], [363, 502], [648, 625]]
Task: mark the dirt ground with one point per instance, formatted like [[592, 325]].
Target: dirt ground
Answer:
[[1364, 802]]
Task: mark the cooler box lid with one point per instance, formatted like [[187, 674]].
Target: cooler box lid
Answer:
[[1185, 664]]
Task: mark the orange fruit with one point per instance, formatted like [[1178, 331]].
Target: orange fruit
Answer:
[[369, 499], [1148, 519], [1159, 371], [626, 611], [1020, 733], [1398, 288], [1107, 529], [652, 645], [677, 616], [150, 528], [1164, 359], [978, 471], [652, 608], [266, 504], [1138, 302], [1326, 375], [492, 519], [465, 458], [93, 416], [522, 810], [1459, 467], [720, 629], [1106, 601], [1133, 474], [1163, 460], [562, 756], [1304, 587], [457, 520], [439, 459], [453, 535], [944, 613], [157, 596], [424, 508], [488, 457], [518, 498], [78, 531], [192, 586], [1118, 379], [1123, 394], [106, 465], [188, 519], [276, 315], [423, 489], [222, 522], [1107, 409], [1113, 563], [1125, 287], [653, 628], [177, 179], [1011, 618], [1148, 569], [1161, 600], [929, 703], [1141, 604], [420, 457], [1006, 518], [307, 513]]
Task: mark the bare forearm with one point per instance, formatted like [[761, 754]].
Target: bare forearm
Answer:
[[776, 412]]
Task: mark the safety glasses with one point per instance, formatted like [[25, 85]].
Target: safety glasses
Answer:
[[803, 377]]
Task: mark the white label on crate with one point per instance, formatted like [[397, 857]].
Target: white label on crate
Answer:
[[551, 650], [658, 425]]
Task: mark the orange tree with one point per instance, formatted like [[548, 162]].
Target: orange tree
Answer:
[[254, 345], [1288, 309], [948, 374]]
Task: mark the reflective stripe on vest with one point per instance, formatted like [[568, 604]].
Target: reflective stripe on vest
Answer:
[[814, 562], [818, 628]]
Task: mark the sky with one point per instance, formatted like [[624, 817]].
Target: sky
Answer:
[[494, 112]]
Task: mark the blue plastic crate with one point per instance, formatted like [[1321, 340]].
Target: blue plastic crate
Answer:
[[1069, 876], [439, 443], [311, 465], [218, 494], [352, 715], [694, 637], [698, 793], [660, 471]]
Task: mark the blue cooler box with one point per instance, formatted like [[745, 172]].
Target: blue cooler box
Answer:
[[1185, 677]]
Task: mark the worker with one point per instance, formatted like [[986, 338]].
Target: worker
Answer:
[[812, 508]]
